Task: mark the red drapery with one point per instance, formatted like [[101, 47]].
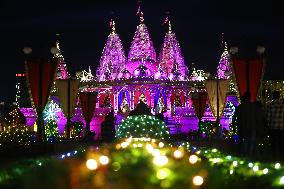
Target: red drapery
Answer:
[[88, 102], [182, 97], [255, 74], [240, 73], [138, 93], [199, 103], [103, 95], [256, 66], [40, 76]]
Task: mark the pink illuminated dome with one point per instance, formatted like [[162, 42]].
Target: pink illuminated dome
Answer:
[[124, 74]]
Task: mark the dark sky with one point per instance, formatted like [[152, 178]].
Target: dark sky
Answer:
[[84, 26]]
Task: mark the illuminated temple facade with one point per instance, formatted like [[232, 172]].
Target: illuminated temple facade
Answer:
[[162, 81]]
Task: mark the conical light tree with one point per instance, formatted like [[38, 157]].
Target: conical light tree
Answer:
[[113, 56], [225, 70], [62, 72], [170, 53], [142, 45]]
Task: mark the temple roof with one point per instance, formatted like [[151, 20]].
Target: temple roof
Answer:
[[170, 53], [142, 45], [113, 56]]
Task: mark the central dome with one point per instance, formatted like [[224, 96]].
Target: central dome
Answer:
[[142, 71]]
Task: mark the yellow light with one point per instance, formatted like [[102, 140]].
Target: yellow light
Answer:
[[156, 152], [277, 166], [197, 180], [104, 160], [161, 144], [163, 173], [235, 163], [124, 144], [149, 148], [282, 180], [160, 160], [265, 171], [35, 127], [255, 168], [178, 154], [92, 164], [193, 159]]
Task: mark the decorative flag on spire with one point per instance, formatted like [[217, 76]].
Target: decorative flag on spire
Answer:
[[62, 72], [170, 53], [113, 56]]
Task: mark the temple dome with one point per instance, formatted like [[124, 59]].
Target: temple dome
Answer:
[[142, 71], [124, 74]]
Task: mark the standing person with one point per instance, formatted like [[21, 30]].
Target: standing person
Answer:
[[275, 123], [246, 119]]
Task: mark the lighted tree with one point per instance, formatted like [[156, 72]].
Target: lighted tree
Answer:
[[62, 72], [142, 126], [170, 54], [19, 134], [142, 45], [15, 130], [224, 70], [51, 131], [113, 56], [76, 129]]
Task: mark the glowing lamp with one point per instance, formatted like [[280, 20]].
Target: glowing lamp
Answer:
[[277, 166], [104, 160], [91, 164], [197, 180], [281, 180], [160, 160], [193, 159], [265, 171]]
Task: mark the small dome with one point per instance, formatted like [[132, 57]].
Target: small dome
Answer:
[[124, 74], [160, 75], [142, 71]]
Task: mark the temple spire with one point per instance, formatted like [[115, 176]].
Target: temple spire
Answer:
[[141, 18], [62, 72], [113, 56], [170, 27], [112, 24]]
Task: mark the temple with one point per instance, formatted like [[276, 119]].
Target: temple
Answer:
[[163, 82]]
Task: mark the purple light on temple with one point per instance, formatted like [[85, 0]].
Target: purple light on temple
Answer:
[[62, 72], [113, 57], [224, 70], [170, 54], [142, 45], [142, 49]]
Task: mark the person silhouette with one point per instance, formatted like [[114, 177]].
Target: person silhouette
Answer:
[[246, 119]]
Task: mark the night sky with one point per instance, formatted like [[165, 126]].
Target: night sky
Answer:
[[84, 27]]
